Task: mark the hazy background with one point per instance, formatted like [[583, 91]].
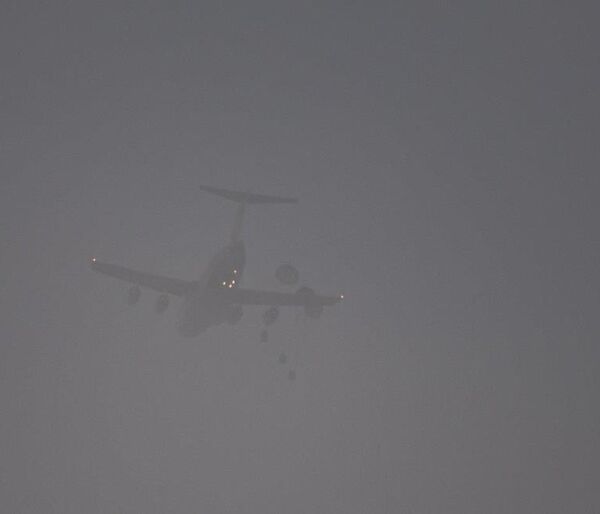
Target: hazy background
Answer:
[[446, 158]]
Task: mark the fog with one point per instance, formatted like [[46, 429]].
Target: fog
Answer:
[[446, 162]]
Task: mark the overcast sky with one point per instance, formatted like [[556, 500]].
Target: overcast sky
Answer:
[[446, 160]]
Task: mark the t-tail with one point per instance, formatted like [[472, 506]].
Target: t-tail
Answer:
[[243, 199]]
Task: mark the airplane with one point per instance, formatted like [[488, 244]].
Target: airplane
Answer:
[[217, 297]]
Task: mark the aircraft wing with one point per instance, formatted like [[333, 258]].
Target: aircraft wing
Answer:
[[161, 284], [256, 297]]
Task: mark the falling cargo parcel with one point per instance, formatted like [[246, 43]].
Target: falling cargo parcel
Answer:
[[217, 297]]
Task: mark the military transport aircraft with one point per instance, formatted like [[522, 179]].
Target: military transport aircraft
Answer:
[[217, 297]]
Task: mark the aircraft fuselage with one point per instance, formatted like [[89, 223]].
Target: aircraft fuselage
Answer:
[[206, 305]]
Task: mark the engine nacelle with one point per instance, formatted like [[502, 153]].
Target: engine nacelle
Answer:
[[162, 303], [133, 295], [270, 315], [234, 315], [312, 307], [287, 274]]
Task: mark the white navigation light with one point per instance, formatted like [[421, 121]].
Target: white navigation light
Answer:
[[93, 259], [224, 283], [235, 272]]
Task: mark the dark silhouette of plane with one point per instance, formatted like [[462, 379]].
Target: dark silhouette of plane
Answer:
[[217, 297]]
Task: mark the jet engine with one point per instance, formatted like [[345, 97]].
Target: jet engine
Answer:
[[287, 274], [133, 295], [162, 303], [312, 307]]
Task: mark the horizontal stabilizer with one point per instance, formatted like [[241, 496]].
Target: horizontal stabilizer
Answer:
[[247, 198]]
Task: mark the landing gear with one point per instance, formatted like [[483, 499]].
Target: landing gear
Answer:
[[162, 302], [270, 316], [133, 295]]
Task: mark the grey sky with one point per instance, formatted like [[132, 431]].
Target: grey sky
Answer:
[[446, 161]]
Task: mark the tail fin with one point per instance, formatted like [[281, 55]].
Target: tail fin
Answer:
[[243, 199]]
